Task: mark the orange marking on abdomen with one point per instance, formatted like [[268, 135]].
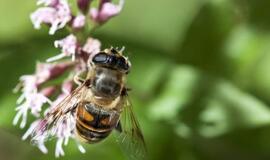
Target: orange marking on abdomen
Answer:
[[84, 114]]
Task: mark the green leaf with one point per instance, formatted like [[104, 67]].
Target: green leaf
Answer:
[[177, 92], [229, 109]]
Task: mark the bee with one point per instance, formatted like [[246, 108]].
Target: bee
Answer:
[[100, 104]]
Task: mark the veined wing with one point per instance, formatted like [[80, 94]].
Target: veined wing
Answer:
[[131, 139], [58, 114]]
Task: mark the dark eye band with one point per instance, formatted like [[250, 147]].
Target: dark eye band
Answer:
[[100, 58], [112, 61]]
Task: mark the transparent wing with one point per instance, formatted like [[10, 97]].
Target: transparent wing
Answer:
[[58, 113], [66, 105], [131, 139]]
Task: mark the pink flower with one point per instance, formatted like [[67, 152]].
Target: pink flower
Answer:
[[57, 13], [78, 22], [86, 52], [29, 83], [68, 46], [63, 130], [67, 87], [48, 71], [48, 91], [30, 99], [92, 46], [48, 2], [106, 11], [41, 140]]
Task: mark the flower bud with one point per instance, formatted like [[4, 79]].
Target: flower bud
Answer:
[[47, 71], [78, 22], [105, 11], [68, 46], [48, 91], [83, 5], [67, 87]]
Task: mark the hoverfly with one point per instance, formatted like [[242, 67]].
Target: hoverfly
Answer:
[[100, 104]]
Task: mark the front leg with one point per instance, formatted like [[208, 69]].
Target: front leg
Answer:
[[125, 91], [78, 78]]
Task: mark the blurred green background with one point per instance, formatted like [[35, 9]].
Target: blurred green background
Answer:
[[200, 78]]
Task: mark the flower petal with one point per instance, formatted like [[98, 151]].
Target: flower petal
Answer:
[[78, 22], [107, 10], [81, 148], [57, 14], [30, 129], [59, 148], [92, 46], [68, 46]]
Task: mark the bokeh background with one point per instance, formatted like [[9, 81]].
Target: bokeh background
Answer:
[[200, 78]]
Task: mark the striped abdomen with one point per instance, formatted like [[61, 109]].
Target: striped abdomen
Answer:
[[94, 123]]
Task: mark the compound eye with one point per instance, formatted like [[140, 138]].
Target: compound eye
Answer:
[[100, 58]]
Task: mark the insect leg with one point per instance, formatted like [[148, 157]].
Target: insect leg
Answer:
[[125, 91], [78, 79], [119, 127]]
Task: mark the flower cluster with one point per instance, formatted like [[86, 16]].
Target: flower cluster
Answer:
[[57, 14], [40, 92]]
